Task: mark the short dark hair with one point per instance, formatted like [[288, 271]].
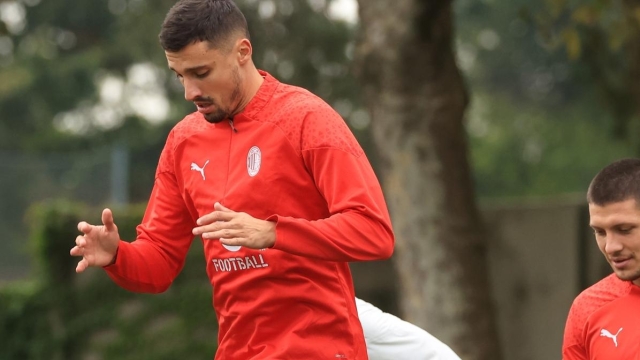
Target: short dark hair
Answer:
[[190, 21], [618, 181]]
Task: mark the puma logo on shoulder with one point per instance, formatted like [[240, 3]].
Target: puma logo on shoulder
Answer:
[[606, 333]]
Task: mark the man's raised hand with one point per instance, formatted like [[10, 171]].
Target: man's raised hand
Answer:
[[98, 244]]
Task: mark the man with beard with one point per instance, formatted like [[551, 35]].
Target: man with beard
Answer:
[[275, 184], [604, 320]]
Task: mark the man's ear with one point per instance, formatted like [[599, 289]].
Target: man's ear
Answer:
[[244, 51]]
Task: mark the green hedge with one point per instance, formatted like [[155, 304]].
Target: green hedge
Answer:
[[63, 315]]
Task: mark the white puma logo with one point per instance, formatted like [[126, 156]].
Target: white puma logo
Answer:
[[606, 333], [195, 167]]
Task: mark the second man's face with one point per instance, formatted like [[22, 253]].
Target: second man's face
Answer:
[[617, 232]]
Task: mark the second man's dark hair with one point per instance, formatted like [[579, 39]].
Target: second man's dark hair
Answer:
[[618, 181], [190, 21]]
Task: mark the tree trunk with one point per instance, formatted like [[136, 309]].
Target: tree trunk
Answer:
[[417, 98], [632, 9]]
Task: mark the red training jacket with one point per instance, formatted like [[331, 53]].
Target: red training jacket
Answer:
[[288, 158], [604, 322]]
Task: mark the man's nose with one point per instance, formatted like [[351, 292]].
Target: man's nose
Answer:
[[191, 91], [613, 244]]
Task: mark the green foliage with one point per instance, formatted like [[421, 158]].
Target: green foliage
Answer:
[[499, 48], [616, 20], [63, 315], [24, 333], [538, 123], [50, 240], [519, 150], [601, 35]]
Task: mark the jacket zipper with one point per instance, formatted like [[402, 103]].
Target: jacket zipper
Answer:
[[233, 130]]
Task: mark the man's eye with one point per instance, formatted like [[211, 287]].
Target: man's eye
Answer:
[[202, 75], [179, 77]]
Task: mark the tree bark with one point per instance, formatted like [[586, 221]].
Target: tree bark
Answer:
[[417, 98], [632, 9]]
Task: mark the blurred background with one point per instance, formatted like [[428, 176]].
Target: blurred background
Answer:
[[86, 102]]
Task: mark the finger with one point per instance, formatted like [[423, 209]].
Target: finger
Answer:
[[82, 265], [215, 227], [233, 241], [107, 220], [84, 227], [221, 234], [215, 216], [81, 241], [220, 207], [76, 251]]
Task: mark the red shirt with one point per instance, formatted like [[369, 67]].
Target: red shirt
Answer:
[[604, 322], [288, 158]]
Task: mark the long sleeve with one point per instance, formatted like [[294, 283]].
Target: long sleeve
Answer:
[[156, 257], [358, 227]]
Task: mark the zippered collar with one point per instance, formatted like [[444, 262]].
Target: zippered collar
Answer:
[[260, 99]]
